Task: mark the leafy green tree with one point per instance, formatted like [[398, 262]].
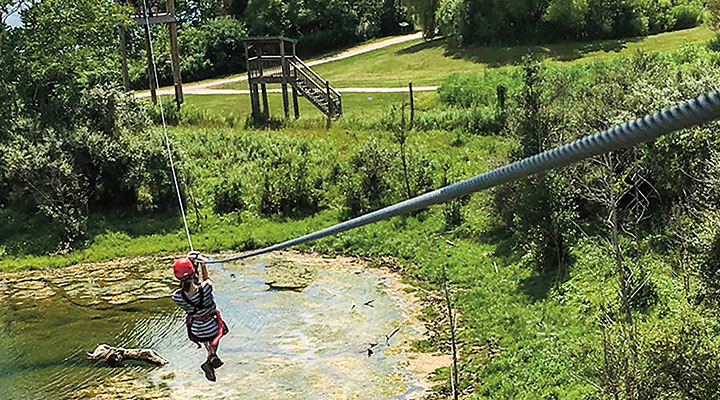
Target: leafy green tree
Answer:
[[224, 46], [567, 16], [66, 48], [538, 209], [713, 8], [423, 13], [76, 139]]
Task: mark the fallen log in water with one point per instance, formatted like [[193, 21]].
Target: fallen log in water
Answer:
[[272, 285], [115, 355]]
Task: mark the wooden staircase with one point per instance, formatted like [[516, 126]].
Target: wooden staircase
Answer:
[[287, 69], [315, 89]]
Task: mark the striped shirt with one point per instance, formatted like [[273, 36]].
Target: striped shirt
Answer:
[[206, 328]]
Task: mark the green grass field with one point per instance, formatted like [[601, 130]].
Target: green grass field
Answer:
[[428, 63], [354, 104]]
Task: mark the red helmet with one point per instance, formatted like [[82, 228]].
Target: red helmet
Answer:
[[183, 268]]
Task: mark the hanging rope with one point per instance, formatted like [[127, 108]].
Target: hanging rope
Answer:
[[648, 128], [165, 132]]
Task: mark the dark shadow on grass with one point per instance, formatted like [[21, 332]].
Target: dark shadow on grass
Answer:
[[135, 224], [34, 234], [513, 55], [538, 285], [430, 44]]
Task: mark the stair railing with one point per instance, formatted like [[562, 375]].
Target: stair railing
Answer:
[[301, 71]]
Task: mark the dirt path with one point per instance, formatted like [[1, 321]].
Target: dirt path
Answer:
[[206, 87]]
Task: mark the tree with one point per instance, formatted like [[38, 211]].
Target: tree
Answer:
[[423, 13], [713, 19], [76, 139], [66, 48], [539, 208], [567, 16]]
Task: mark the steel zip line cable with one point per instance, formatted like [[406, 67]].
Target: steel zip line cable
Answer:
[[167, 139], [648, 128]]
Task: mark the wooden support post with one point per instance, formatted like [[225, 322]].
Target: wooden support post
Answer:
[[296, 107], [151, 73], [172, 29], [329, 105], [412, 106], [263, 86], [266, 107], [123, 57], [253, 93], [255, 99], [283, 62], [295, 102]]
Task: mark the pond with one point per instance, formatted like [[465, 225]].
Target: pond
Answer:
[[306, 344]]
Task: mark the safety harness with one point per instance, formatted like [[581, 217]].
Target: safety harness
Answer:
[[222, 327]]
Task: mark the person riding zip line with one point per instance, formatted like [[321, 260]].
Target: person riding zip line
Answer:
[[203, 321]]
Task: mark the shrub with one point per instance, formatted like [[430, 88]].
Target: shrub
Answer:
[[228, 195], [475, 120], [467, 90], [107, 157], [687, 15], [368, 184], [288, 188]]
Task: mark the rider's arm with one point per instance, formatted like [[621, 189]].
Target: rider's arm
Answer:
[[205, 275], [199, 260]]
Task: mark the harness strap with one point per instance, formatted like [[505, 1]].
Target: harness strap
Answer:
[[198, 306], [221, 329]]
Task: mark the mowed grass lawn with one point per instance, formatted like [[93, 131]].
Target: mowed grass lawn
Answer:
[[353, 103], [428, 63]]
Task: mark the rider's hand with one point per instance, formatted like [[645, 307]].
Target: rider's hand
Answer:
[[195, 256]]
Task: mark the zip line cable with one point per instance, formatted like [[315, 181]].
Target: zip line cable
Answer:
[[646, 129], [162, 117]]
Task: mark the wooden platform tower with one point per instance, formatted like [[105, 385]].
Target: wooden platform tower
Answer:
[[146, 15], [273, 60]]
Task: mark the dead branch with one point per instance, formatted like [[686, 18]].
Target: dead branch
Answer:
[[115, 355]]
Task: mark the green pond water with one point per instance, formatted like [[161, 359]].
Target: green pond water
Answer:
[[283, 344]]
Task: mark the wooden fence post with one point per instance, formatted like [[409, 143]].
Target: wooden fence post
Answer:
[[412, 106], [123, 57], [454, 369]]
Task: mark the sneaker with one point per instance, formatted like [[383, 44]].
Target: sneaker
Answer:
[[215, 361], [208, 370]]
